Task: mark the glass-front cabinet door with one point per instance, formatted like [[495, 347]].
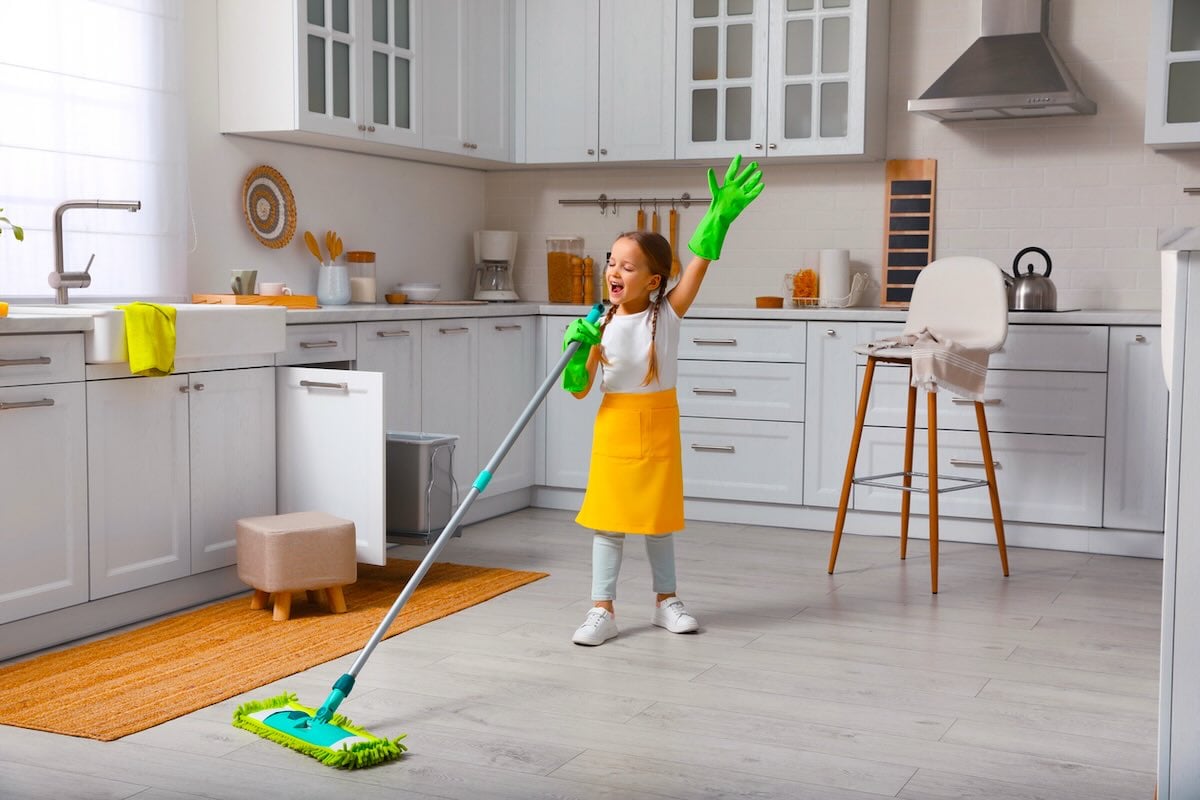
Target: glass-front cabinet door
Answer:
[[330, 76], [1173, 87], [390, 93]]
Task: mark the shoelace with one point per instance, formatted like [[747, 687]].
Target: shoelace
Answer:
[[593, 620], [675, 607]]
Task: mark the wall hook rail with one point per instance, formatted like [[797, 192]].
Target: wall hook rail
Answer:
[[684, 200]]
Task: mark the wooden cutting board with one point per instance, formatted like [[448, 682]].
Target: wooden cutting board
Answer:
[[287, 300]]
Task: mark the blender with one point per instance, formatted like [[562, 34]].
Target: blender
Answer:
[[495, 252]]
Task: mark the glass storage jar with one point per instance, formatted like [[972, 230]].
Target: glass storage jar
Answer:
[[362, 275]]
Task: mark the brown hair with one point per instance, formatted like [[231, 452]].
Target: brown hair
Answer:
[[658, 252]]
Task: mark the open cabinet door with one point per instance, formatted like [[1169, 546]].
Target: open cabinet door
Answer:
[[330, 449]]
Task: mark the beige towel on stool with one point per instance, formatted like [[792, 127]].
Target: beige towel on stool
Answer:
[[939, 362]]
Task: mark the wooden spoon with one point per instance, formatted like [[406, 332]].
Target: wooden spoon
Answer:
[[673, 231], [313, 247], [641, 219], [655, 223]]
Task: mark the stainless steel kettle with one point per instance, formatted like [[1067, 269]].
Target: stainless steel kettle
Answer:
[[1031, 291]]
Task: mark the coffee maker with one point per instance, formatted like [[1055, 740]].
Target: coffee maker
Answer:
[[494, 255]]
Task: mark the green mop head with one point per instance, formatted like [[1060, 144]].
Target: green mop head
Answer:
[[336, 743]]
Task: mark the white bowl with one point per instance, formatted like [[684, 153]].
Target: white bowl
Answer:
[[419, 291]]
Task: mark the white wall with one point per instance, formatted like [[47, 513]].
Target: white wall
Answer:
[[1085, 188], [416, 217]]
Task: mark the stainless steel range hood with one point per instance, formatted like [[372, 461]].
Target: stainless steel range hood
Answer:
[[1011, 70]]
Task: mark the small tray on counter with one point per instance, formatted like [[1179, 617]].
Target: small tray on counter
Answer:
[[287, 300]]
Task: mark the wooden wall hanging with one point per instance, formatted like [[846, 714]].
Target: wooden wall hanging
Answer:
[[909, 205]]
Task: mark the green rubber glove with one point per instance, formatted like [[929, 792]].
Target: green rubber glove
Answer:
[[575, 375], [727, 202]]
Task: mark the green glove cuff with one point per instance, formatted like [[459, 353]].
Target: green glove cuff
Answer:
[[709, 237], [575, 374], [728, 202]]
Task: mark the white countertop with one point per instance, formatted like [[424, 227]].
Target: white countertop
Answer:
[[382, 312]]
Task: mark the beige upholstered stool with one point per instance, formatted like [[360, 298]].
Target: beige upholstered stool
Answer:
[[305, 551]]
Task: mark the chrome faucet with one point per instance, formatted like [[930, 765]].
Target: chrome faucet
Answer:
[[61, 280]]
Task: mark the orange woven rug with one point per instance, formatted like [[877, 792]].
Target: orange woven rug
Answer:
[[140, 678]]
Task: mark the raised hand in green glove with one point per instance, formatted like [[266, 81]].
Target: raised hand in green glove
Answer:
[[575, 375], [727, 202]]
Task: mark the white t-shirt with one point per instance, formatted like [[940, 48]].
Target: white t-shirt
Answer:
[[626, 342]]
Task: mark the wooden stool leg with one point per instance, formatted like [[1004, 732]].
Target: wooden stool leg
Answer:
[[259, 601], [906, 496], [851, 460], [283, 606], [989, 466], [313, 596], [933, 494], [337, 600]]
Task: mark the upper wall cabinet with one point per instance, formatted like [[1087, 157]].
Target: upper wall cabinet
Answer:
[[596, 81], [1173, 84], [776, 78], [467, 95], [304, 69]]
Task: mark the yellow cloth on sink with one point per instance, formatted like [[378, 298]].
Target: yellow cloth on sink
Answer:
[[150, 338]]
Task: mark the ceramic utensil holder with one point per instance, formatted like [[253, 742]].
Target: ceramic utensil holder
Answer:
[[333, 285]]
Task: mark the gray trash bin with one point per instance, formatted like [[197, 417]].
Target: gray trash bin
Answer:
[[421, 491]]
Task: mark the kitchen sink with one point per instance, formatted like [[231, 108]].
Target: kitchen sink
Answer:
[[201, 330]]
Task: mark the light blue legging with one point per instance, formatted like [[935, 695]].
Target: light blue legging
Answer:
[[606, 563]]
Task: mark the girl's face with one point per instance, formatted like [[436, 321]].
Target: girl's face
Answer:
[[631, 282]]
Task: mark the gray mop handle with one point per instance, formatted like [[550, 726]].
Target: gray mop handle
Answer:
[[480, 483]]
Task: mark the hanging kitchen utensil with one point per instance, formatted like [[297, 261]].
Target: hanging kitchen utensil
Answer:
[[1032, 291], [311, 242], [641, 219], [673, 234], [655, 223]]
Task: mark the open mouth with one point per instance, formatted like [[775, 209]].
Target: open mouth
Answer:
[[615, 288]]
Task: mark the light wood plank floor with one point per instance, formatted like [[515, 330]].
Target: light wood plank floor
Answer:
[[799, 685]]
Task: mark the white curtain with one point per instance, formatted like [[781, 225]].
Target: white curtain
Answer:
[[91, 107]]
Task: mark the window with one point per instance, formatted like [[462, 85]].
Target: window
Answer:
[[91, 107]]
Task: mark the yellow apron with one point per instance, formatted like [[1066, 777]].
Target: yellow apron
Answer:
[[635, 483]]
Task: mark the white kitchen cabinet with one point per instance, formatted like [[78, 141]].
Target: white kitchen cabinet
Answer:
[[1173, 75], [506, 384], [598, 81], [450, 389], [1135, 442], [321, 71], [173, 463], [757, 461], [394, 350], [569, 421], [829, 394], [774, 78], [467, 58], [43, 478]]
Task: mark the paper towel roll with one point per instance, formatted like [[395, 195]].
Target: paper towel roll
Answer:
[[833, 272]]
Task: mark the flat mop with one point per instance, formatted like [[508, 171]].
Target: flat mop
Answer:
[[328, 736]]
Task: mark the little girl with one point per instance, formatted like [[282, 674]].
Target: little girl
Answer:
[[635, 482]]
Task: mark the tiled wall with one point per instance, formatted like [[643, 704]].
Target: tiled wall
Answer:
[[1086, 189]]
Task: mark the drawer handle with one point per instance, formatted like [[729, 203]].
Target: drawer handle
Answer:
[[830, 332], [1140, 339], [345, 387], [508, 327], [713, 448], [199, 387], [453, 330], [729, 392], [45, 401], [390, 334], [966, 401], [971, 462], [726, 342], [312, 345], [24, 362]]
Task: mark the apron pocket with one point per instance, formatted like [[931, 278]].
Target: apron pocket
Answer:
[[619, 433], [662, 433]]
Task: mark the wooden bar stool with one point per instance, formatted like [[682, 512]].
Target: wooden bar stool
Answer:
[[961, 299]]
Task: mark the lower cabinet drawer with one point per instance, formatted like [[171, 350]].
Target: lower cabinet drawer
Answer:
[[731, 459], [734, 390], [318, 344], [1050, 479], [1016, 401]]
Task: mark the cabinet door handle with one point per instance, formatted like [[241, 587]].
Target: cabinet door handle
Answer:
[[591, 152], [508, 327], [199, 387], [603, 151], [772, 146], [370, 129], [831, 333], [971, 462], [758, 147], [966, 401], [713, 448], [729, 392], [45, 401], [1139, 338], [362, 127], [345, 387], [24, 362], [312, 345], [1191, 190], [726, 342], [391, 334], [453, 330]]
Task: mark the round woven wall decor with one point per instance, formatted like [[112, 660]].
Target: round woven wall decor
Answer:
[[269, 207]]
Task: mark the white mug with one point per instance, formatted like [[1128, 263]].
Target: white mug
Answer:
[[273, 288]]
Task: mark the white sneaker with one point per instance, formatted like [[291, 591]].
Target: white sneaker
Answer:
[[671, 614], [597, 628]]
